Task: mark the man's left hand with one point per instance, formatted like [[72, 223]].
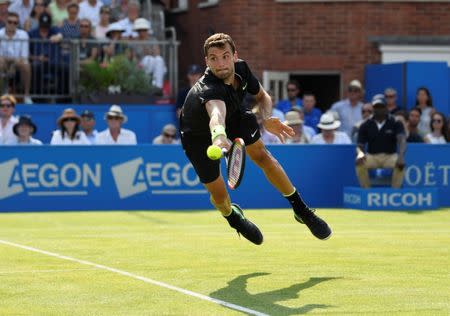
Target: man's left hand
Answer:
[[400, 164], [278, 128]]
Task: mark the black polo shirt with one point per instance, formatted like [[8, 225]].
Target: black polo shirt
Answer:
[[195, 119], [383, 140]]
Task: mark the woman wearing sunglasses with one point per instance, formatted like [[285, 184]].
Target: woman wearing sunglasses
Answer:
[[438, 126], [68, 132]]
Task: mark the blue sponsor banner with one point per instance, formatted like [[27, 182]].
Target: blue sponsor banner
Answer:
[[391, 199], [159, 177]]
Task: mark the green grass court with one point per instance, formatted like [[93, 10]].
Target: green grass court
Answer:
[[376, 263]]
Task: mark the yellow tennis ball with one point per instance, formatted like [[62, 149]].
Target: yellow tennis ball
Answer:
[[214, 152]]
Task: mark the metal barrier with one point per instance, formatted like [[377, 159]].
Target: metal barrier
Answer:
[[52, 70]]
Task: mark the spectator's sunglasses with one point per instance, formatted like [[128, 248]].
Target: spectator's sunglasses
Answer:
[[14, 22], [6, 105], [291, 89], [436, 121], [367, 111], [70, 119], [117, 118], [169, 135], [388, 96], [354, 90], [85, 25]]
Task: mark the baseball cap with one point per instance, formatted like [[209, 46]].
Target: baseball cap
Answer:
[[87, 113], [194, 69], [45, 20], [378, 99], [355, 84]]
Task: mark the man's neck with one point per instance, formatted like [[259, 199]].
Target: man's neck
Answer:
[[115, 133], [5, 120], [353, 102], [24, 139], [10, 33], [390, 107]]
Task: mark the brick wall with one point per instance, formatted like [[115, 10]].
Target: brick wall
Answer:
[[306, 36]]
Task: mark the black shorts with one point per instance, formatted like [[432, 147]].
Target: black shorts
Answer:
[[244, 126]]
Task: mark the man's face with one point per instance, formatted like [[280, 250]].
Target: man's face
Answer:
[[354, 93], [7, 109], [24, 130], [367, 110], [221, 61], [309, 101], [114, 122], [414, 118], [87, 123], [380, 111], [292, 91], [11, 23], [85, 29], [391, 98], [73, 13], [133, 12], [3, 11]]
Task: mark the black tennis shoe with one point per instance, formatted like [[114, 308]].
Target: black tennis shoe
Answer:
[[243, 226], [316, 225]]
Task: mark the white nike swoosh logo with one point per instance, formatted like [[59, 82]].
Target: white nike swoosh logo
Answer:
[[254, 133], [245, 86]]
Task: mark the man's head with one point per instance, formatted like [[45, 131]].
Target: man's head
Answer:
[[142, 27], [12, 22], [45, 21], [194, 73], [294, 120], [72, 10], [4, 4], [220, 55], [85, 28], [367, 110], [7, 106], [390, 94], [380, 110], [115, 117], [87, 121], [309, 101], [293, 89], [134, 8], [355, 90], [169, 134], [328, 123], [414, 117]]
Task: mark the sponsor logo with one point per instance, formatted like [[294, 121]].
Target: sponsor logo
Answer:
[[137, 176], [48, 179], [351, 198], [397, 199]]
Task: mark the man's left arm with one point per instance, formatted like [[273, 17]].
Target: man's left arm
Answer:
[[271, 124], [401, 144]]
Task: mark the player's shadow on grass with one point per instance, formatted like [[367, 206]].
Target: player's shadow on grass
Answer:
[[266, 302]]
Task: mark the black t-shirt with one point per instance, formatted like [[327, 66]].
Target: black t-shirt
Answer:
[[383, 140], [414, 138], [195, 118]]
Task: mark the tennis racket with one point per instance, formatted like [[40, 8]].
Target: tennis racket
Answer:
[[235, 161]]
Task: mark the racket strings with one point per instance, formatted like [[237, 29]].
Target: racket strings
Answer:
[[235, 167]]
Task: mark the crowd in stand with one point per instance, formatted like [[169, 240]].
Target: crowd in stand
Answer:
[[35, 37]]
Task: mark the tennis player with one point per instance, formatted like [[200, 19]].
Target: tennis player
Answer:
[[213, 113]]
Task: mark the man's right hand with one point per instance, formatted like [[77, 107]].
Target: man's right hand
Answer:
[[360, 158], [222, 141]]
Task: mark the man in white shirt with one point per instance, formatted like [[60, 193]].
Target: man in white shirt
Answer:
[[7, 120], [24, 130], [134, 8], [14, 52], [115, 134], [87, 124], [329, 135], [90, 9]]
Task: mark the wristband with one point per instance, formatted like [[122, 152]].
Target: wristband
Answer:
[[218, 130]]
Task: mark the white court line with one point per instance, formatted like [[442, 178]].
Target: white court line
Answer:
[[138, 277]]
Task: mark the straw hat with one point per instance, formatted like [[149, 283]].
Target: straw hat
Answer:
[[293, 118], [68, 113], [116, 111]]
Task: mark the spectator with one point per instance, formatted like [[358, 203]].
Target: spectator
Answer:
[[58, 10], [328, 125], [293, 89], [307, 130], [149, 57], [68, 132], [293, 119], [90, 9], [275, 112], [366, 113], [4, 4], [115, 134], [311, 113], [413, 126], [194, 73], [402, 117], [71, 25], [47, 65], [168, 136], [88, 126], [383, 135], [119, 10], [127, 23], [266, 137], [438, 126], [102, 26], [23, 130], [32, 22], [14, 52], [390, 94], [23, 9], [88, 49], [350, 109], [114, 34], [7, 119], [424, 101]]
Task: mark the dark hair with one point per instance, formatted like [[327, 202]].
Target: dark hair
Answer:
[[430, 99], [64, 131], [444, 129], [401, 113], [309, 93], [416, 109], [218, 40], [13, 14], [294, 82]]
